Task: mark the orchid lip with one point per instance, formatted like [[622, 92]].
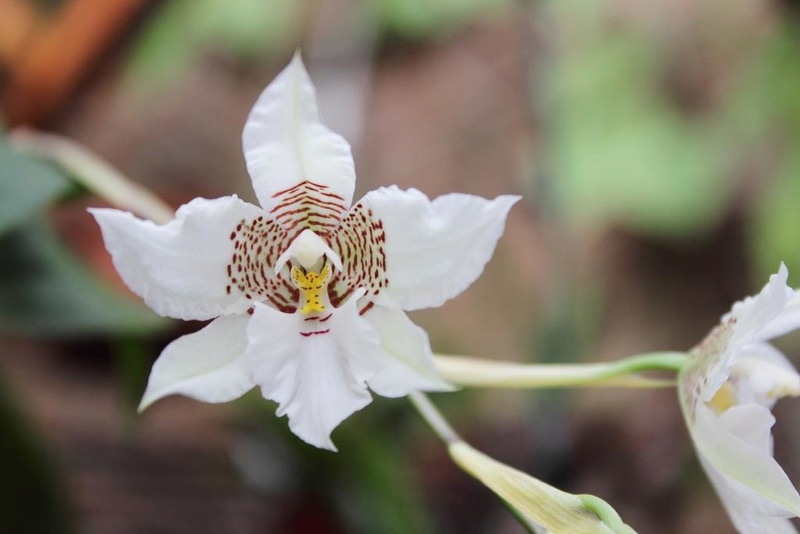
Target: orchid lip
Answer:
[[308, 248]]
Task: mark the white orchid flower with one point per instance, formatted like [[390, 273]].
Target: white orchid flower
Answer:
[[307, 294], [727, 391]]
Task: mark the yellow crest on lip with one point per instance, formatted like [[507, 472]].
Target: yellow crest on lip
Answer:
[[724, 398], [312, 287]]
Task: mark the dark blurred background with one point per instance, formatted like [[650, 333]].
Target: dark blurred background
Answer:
[[655, 143]]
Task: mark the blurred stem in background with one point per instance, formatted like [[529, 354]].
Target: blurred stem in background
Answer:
[[96, 175]]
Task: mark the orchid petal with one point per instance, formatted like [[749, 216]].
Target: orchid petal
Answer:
[[411, 366], [293, 158], [416, 253], [753, 315], [764, 375], [738, 444], [743, 325], [736, 498], [315, 371], [787, 321], [205, 365], [179, 268]]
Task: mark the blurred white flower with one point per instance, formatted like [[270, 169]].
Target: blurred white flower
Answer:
[[727, 391], [307, 291]]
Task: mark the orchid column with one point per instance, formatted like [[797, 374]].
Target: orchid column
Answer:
[[306, 292]]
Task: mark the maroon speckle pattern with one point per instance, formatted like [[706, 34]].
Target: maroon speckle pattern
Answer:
[[257, 245], [359, 240], [356, 235]]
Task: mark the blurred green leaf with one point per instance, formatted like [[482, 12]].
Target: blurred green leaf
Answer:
[[184, 29], [31, 499], [370, 482], [774, 222], [765, 96], [420, 18], [765, 111], [132, 361], [378, 492], [26, 187], [623, 153], [48, 292]]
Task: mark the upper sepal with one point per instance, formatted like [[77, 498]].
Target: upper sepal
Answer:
[[285, 143]]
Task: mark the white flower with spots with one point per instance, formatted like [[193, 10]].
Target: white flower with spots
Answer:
[[727, 393], [306, 291]]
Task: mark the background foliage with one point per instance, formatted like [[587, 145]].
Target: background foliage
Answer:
[[656, 149]]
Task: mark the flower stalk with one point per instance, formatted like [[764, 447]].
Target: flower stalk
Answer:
[[476, 372], [93, 173]]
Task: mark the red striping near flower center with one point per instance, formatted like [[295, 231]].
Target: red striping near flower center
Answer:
[[308, 205], [356, 235], [315, 333]]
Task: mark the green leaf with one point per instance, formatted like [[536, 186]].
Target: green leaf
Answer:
[[26, 187], [48, 292], [183, 30], [417, 19], [623, 153], [377, 493], [132, 357], [772, 237], [31, 499]]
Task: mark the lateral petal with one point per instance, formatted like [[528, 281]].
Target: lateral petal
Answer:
[[410, 366], [294, 160], [410, 252], [786, 321], [205, 365], [179, 268]]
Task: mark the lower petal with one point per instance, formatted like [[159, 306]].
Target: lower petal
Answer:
[[410, 365], [738, 445], [743, 511], [307, 367], [206, 365]]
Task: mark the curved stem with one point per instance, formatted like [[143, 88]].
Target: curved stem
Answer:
[[93, 173], [476, 372]]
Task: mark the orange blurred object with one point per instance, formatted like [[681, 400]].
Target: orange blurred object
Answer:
[[44, 55]]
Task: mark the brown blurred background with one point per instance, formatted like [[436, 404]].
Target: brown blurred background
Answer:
[[654, 142]]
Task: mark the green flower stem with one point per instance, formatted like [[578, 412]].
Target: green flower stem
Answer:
[[606, 513], [93, 173], [476, 372]]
